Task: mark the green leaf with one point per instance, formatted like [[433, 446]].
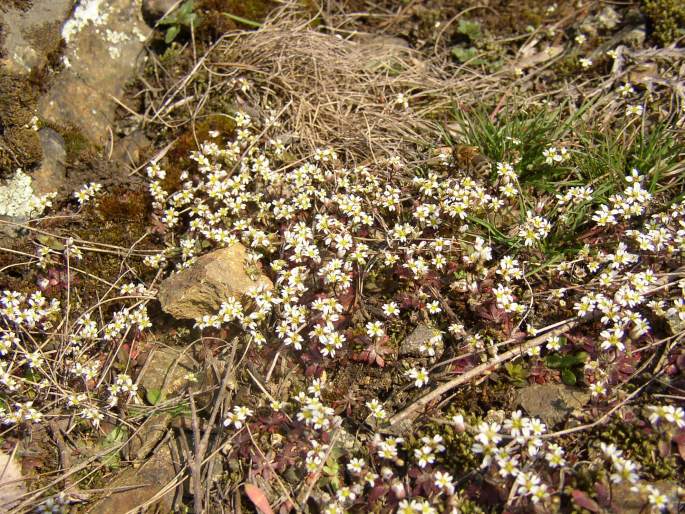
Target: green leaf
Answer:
[[516, 372], [153, 396], [466, 54], [568, 377], [186, 9], [569, 361], [171, 33], [554, 361], [118, 435], [469, 28], [244, 21], [51, 242], [581, 357]]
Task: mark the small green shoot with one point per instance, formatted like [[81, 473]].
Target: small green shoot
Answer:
[[113, 440], [471, 29], [244, 21], [517, 373], [569, 366], [153, 396], [183, 17]]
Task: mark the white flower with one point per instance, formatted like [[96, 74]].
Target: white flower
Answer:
[[420, 376], [377, 410], [356, 465], [634, 110], [374, 329], [237, 417], [443, 481], [391, 309]]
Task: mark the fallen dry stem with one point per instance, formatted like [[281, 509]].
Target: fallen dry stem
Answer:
[[414, 409]]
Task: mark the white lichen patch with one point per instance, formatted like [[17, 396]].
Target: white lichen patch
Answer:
[[17, 199], [116, 38], [88, 11], [107, 20]]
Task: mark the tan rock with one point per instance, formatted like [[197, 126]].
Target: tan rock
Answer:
[[12, 485], [165, 375], [411, 345], [627, 501], [552, 403], [147, 485], [211, 280]]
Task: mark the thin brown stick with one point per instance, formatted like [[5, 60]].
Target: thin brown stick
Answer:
[[413, 410]]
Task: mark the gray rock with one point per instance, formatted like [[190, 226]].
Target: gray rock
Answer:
[[167, 372], [129, 150], [154, 10], [103, 42], [674, 322], [552, 403], [52, 172], [627, 501], [201, 289], [422, 334], [31, 34], [634, 38]]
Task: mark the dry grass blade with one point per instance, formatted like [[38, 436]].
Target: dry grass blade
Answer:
[[414, 409]]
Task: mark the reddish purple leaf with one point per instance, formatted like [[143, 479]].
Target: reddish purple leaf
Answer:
[[603, 494], [257, 496], [583, 500], [679, 439]]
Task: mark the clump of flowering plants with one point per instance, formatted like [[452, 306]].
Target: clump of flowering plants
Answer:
[[534, 261], [434, 237]]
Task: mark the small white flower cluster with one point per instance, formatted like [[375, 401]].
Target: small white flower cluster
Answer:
[[426, 453], [574, 196], [39, 374], [632, 202], [554, 155], [519, 458], [87, 192], [313, 411], [534, 230], [123, 386], [322, 228], [238, 416], [666, 414], [509, 185]]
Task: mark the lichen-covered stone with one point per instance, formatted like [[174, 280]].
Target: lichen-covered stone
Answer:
[[200, 289], [422, 334], [103, 41], [551, 403]]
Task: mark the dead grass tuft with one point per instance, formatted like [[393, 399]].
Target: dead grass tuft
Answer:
[[343, 91]]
